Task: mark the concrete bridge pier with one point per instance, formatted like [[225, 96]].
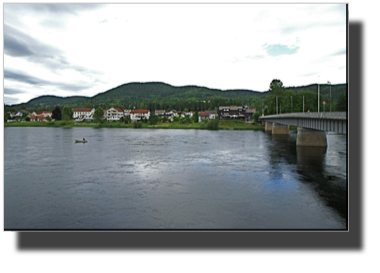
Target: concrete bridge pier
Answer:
[[311, 138], [268, 126], [280, 129]]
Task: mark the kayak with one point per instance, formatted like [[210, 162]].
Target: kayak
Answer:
[[81, 140]]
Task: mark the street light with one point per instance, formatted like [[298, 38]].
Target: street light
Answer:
[[330, 95], [291, 98], [318, 93]]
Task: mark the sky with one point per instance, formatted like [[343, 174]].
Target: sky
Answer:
[[84, 49]]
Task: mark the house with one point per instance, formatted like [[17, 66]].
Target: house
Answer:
[[42, 113], [190, 114], [248, 114], [202, 115], [127, 112], [159, 113], [212, 114], [232, 112], [83, 113], [16, 114], [37, 118], [139, 114], [114, 114]]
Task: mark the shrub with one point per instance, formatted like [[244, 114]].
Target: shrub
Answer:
[[137, 124], [63, 123], [213, 124]]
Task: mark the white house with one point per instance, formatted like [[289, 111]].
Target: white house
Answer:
[[83, 113], [202, 116], [139, 114], [42, 113], [16, 115], [190, 114], [114, 114], [211, 114], [127, 112]]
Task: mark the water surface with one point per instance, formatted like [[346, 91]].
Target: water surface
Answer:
[[170, 179]]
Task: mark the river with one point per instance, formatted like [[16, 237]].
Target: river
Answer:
[[171, 179]]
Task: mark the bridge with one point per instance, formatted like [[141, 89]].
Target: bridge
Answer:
[[312, 127]]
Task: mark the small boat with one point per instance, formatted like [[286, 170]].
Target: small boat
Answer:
[[80, 140]]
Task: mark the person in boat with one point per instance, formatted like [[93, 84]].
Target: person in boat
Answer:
[[84, 139]]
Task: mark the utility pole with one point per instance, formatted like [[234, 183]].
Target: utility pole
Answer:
[[276, 105], [330, 95], [318, 94], [291, 103]]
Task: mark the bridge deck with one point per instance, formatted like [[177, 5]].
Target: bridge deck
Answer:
[[330, 122]]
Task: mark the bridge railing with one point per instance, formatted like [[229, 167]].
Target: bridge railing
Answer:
[[314, 115]]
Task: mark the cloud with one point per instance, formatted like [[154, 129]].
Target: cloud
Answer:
[[12, 91], [24, 78], [339, 52], [19, 44], [277, 50], [256, 57], [20, 77], [73, 9]]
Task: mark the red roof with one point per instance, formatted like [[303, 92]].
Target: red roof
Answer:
[[41, 112], [118, 109], [139, 111], [41, 117], [32, 117], [203, 114], [82, 109]]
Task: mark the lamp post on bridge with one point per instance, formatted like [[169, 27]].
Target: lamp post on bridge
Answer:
[[318, 93], [330, 95], [291, 98]]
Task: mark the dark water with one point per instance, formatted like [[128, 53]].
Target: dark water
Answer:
[[170, 179]]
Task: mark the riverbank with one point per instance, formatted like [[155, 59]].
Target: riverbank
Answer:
[[223, 125]]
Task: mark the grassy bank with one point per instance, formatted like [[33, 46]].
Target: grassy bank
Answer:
[[223, 125]]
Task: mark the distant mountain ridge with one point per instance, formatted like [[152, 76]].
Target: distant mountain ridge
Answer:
[[137, 92]]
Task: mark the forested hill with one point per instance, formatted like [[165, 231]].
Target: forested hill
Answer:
[[158, 95], [324, 89], [137, 93]]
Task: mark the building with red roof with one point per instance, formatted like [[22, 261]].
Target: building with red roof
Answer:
[[139, 114], [114, 113], [83, 113]]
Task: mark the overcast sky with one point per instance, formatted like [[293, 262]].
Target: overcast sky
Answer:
[[85, 49]]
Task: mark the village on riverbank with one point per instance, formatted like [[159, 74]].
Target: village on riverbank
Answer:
[[226, 117]]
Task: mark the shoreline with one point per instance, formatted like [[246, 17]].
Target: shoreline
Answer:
[[223, 125]]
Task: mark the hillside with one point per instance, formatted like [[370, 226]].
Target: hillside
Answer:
[[158, 95]]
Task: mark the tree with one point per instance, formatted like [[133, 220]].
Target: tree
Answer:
[[23, 107], [186, 110], [67, 113], [195, 117], [213, 124], [153, 119], [24, 115], [276, 87], [98, 115], [341, 105], [89, 105], [56, 113], [48, 118]]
